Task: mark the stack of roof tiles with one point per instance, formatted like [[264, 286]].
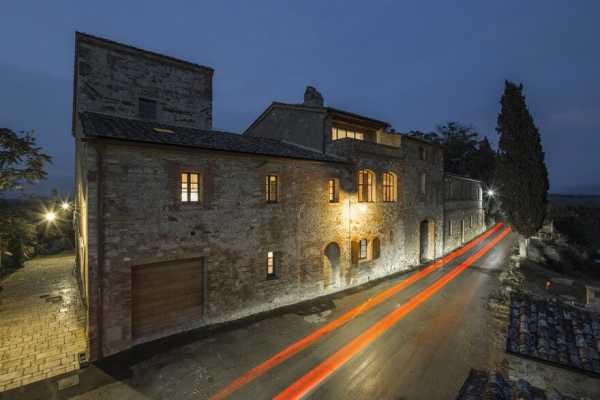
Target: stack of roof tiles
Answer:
[[554, 332]]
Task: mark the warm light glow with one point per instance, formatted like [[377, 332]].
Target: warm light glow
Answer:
[[65, 206], [50, 216], [491, 192]]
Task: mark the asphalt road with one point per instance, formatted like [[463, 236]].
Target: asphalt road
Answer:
[[414, 336]]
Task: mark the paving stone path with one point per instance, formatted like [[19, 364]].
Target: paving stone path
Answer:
[[42, 322], [554, 332]]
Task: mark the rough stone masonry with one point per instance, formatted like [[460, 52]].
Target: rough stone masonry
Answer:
[[180, 226]]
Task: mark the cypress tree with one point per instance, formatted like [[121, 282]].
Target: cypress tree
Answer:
[[522, 174]]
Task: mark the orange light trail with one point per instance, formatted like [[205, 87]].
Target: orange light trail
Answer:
[[306, 341], [314, 377]]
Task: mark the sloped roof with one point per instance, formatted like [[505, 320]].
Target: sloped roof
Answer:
[[112, 127], [328, 110]]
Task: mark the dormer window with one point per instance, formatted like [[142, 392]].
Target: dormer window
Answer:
[[147, 109], [339, 133]]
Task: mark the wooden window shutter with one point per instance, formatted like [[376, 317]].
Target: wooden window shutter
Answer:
[[354, 252], [277, 259], [376, 248]]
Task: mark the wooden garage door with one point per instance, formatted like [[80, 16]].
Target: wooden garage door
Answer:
[[165, 295]]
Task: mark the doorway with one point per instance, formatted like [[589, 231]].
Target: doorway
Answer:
[[332, 262], [426, 240]]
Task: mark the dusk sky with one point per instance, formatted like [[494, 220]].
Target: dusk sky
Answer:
[[414, 64]]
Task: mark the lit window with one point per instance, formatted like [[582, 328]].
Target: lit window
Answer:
[[270, 265], [362, 249], [423, 183], [271, 188], [339, 133], [333, 191], [190, 187], [147, 109], [389, 186], [366, 186]]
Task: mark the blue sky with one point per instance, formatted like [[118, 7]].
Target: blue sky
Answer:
[[415, 64]]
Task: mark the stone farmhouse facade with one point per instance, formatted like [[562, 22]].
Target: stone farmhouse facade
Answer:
[[180, 226]]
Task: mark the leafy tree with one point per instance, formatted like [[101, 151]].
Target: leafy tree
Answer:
[[20, 160], [460, 144], [522, 174]]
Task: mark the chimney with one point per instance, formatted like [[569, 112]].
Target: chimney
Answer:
[[312, 97]]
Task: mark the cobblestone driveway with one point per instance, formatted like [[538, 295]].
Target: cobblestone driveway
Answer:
[[42, 323]]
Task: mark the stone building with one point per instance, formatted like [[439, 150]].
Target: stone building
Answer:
[[180, 226], [463, 210]]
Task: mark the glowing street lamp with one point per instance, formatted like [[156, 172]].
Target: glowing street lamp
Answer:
[[491, 192], [65, 206], [50, 216]]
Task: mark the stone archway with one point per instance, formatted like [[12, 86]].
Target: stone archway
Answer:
[[332, 263]]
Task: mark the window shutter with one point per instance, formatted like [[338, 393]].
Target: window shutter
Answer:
[[354, 252], [277, 263], [376, 248]]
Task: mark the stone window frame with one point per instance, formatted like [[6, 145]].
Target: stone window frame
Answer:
[[422, 153], [390, 187], [272, 188], [189, 173], [147, 101], [366, 190], [333, 190]]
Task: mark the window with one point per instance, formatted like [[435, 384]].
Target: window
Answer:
[[470, 221], [366, 191], [270, 265], [362, 249], [389, 186], [333, 191], [450, 228], [190, 187], [147, 109], [423, 183], [422, 154], [271, 188], [339, 133]]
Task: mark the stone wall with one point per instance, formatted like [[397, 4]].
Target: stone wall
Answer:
[[463, 211], [300, 125], [233, 228], [111, 78]]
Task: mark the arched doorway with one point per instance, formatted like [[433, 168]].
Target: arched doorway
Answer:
[[332, 263], [426, 241]]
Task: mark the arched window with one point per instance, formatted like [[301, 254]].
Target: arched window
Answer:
[[366, 186], [389, 186]]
